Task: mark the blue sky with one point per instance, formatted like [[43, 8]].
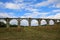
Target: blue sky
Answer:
[[30, 8]]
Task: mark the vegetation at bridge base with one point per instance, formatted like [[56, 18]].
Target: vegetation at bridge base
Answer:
[[2, 24], [31, 33]]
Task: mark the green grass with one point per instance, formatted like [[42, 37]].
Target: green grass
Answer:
[[31, 33]]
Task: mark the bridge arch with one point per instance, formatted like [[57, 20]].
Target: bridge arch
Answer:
[[2, 20], [34, 22], [13, 22], [27, 21], [24, 22], [51, 22], [43, 22], [2, 23], [58, 20]]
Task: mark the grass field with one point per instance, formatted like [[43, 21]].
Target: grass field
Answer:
[[31, 33]]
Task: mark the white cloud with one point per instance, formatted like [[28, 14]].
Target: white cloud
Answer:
[[57, 16], [48, 2], [56, 10], [18, 1], [19, 4], [10, 5], [57, 5], [22, 17], [4, 15], [31, 9], [1, 4], [13, 6], [35, 14]]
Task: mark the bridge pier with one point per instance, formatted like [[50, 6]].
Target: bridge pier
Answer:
[[29, 20], [55, 21], [39, 22], [47, 20], [7, 22], [59, 20], [18, 23]]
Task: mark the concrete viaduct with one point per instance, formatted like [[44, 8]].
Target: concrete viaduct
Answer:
[[29, 20]]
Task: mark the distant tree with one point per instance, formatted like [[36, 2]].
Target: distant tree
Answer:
[[2, 24]]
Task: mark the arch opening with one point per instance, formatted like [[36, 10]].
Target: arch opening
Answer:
[[51, 22], [24, 22], [34, 22], [58, 21], [13, 23], [2, 23], [43, 22]]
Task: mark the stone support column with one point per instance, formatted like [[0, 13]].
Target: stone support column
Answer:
[[29, 22], [59, 20], [55, 21], [7, 24], [18, 23], [39, 22], [47, 20]]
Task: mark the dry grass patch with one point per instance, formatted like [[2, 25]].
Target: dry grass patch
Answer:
[[31, 33]]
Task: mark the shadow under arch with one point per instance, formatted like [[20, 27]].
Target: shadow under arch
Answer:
[[2, 23], [43, 22], [24, 22], [13, 23], [34, 22], [51, 22]]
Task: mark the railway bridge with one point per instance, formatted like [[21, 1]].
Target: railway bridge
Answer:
[[29, 20]]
